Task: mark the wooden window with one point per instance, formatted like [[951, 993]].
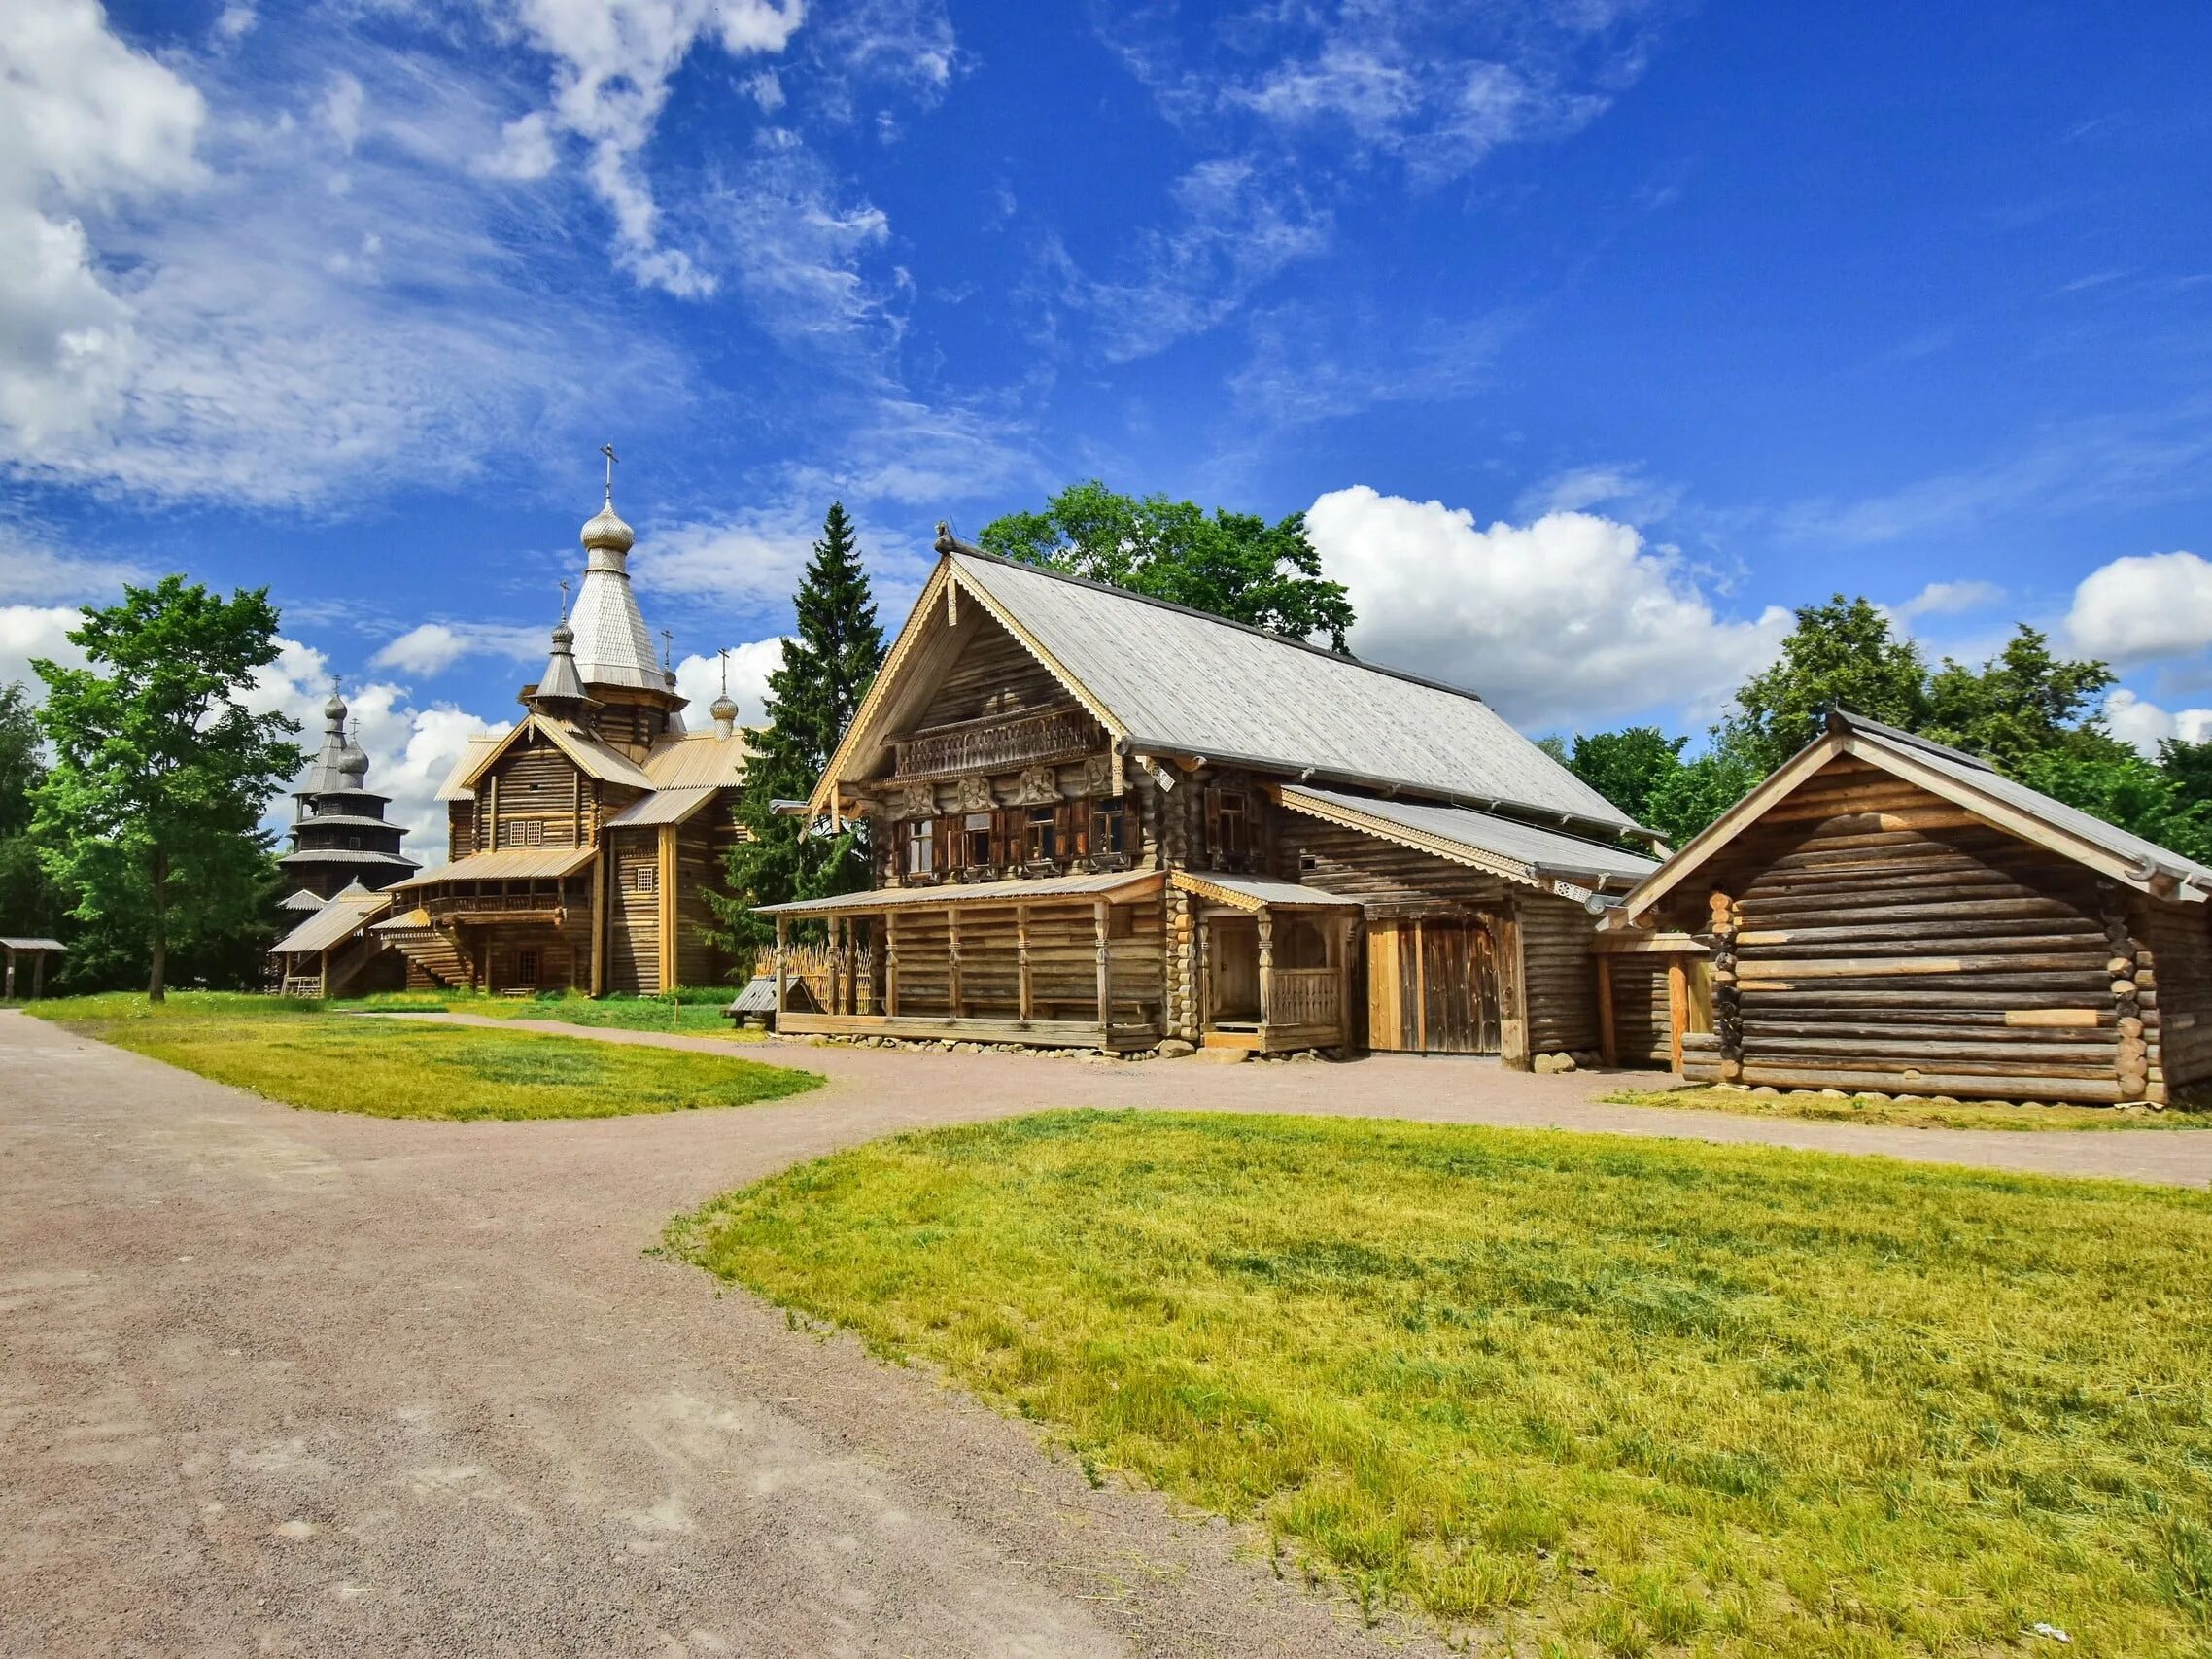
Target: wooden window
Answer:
[[1231, 817], [526, 967], [977, 843], [644, 877], [353, 844], [1041, 835], [1110, 827], [921, 847]]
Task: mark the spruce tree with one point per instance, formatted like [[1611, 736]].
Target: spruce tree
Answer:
[[829, 662]]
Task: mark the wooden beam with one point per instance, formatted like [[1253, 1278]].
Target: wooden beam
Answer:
[[890, 964], [668, 911], [1677, 1011], [1267, 929], [953, 995], [1344, 979], [783, 954], [1105, 972], [1420, 989], [1029, 1005], [1608, 1049]]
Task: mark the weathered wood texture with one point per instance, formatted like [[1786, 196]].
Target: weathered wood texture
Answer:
[[634, 913], [1641, 1010], [992, 675], [1872, 936], [1560, 981]]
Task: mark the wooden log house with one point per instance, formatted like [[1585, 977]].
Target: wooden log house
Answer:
[[1887, 914], [581, 844], [1103, 820]]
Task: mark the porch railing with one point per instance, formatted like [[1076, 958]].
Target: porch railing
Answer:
[[1304, 996], [994, 744]]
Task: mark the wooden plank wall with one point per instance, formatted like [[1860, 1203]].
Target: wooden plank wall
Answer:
[[1559, 979], [538, 784], [633, 925], [1641, 1033], [1064, 962], [1390, 880], [459, 829], [1882, 939], [992, 675], [699, 868]]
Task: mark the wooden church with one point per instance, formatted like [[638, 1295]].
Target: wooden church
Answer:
[[581, 844], [1104, 821]]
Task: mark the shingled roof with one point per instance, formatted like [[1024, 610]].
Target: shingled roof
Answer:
[[1167, 680]]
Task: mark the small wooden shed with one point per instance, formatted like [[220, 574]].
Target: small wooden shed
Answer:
[[30, 954], [1888, 914]]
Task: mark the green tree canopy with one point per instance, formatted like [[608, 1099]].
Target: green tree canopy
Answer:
[[1841, 654], [829, 662], [29, 904], [150, 815], [1233, 565], [1626, 766], [2023, 704]]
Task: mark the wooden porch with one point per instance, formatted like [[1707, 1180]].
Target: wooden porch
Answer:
[[1064, 962], [1275, 962]]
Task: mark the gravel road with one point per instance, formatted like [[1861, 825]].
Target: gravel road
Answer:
[[286, 1382]]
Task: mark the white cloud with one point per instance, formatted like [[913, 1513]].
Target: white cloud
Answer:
[[28, 631], [699, 678], [1625, 487], [1237, 226], [36, 572], [526, 151], [612, 61], [1569, 620], [429, 648], [1949, 599], [2146, 725], [86, 125], [2143, 606]]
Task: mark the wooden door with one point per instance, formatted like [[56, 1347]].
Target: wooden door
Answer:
[[1433, 989], [1232, 970]]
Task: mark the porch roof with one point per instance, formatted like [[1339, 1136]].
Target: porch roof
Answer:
[[1505, 846], [1115, 886], [1257, 893], [509, 864], [334, 924], [664, 805]]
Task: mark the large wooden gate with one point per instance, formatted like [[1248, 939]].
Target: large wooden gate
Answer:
[[1433, 987]]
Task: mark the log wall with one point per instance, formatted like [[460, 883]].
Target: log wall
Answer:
[[1641, 1011], [992, 675], [1870, 935], [634, 913], [1559, 978]]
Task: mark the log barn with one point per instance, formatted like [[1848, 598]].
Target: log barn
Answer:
[[1887, 914], [1103, 820]]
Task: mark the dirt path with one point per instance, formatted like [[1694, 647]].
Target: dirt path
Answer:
[[937, 1086], [286, 1382]]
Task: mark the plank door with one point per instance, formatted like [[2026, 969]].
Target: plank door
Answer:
[[1433, 989]]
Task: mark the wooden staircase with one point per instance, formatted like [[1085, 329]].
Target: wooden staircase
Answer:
[[431, 952]]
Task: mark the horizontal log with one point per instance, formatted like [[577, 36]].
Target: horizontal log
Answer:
[[1922, 1051], [1862, 967], [1991, 1086], [1888, 1036], [1758, 912], [1962, 998]]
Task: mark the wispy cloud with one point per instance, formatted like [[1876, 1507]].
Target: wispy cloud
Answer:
[[429, 648]]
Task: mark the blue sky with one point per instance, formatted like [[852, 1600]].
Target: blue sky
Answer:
[[1589, 333]]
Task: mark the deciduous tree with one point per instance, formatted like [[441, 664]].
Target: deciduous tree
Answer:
[[1233, 565], [148, 817]]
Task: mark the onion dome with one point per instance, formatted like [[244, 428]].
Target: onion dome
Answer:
[[561, 681], [723, 709], [605, 530], [334, 711]]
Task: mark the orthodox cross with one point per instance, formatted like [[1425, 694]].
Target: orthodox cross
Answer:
[[668, 648], [564, 599], [608, 450], [724, 654]]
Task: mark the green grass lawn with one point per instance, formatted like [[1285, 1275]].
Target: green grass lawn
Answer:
[[692, 1019], [298, 1052], [1911, 1114], [1594, 1396]]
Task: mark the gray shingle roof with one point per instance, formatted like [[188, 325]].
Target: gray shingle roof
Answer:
[[1184, 682], [1543, 853]]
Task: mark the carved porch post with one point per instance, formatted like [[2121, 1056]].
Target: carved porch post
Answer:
[[1266, 924]]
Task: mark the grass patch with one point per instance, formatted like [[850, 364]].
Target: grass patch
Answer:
[[688, 1017], [1943, 1114], [298, 1052], [1602, 1396]]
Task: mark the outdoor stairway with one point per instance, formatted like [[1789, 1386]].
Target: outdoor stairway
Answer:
[[426, 948]]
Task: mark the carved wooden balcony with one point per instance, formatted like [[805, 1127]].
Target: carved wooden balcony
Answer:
[[996, 743]]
